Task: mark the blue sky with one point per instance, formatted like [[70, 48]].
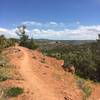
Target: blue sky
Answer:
[[51, 18]]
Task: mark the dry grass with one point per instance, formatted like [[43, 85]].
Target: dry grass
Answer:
[[82, 84]]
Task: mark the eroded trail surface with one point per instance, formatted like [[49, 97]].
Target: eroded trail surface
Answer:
[[41, 89]]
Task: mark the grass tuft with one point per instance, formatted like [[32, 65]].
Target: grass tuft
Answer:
[[14, 91], [87, 90]]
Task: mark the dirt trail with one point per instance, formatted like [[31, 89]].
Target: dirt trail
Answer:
[[41, 91]]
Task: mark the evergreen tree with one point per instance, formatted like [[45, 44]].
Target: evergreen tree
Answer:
[[24, 38]]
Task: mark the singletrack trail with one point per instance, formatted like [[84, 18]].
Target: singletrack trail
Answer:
[[40, 89]]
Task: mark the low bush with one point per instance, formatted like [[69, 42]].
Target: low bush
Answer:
[[14, 91], [87, 90], [5, 42], [31, 44]]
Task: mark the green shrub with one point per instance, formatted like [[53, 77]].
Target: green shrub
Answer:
[[31, 44], [4, 42], [14, 91], [87, 90]]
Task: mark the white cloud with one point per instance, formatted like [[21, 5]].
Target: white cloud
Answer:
[[80, 33], [30, 23], [8, 32], [44, 25], [53, 23]]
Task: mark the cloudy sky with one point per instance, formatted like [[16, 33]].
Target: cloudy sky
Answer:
[[51, 19]]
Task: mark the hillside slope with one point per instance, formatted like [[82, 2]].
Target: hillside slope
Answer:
[[43, 78]]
